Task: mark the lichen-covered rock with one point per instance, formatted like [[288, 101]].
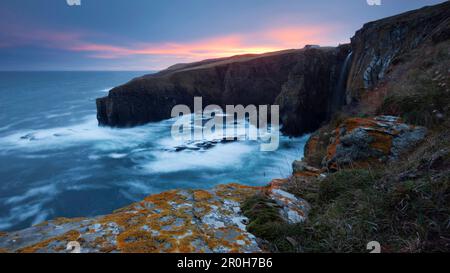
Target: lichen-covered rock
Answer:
[[293, 209], [301, 168], [359, 141], [172, 221]]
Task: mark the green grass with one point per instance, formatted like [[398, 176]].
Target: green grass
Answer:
[[420, 107], [353, 207]]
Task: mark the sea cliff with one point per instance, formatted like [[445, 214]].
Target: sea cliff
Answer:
[[376, 169]]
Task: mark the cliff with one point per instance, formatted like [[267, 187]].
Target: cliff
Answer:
[[367, 175], [381, 44], [303, 82]]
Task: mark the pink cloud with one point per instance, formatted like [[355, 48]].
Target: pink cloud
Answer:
[[274, 39], [260, 42]]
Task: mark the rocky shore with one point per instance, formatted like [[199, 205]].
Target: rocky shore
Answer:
[[375, 168]]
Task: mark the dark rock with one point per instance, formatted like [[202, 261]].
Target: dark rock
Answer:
[[381, 43], [302, 82], [301, 167]]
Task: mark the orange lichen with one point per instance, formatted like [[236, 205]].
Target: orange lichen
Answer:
[[331, 149], [173, 221], [382, 141], [137, 241], [311, 145], [277, 183], [352, 123], [72, 235], [202, 195]]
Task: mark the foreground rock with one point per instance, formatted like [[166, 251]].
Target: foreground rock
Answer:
[[173, 221]]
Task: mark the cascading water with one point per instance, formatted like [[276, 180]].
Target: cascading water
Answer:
[[339, 95]]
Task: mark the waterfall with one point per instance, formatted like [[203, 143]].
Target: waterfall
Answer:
[[341, 87]]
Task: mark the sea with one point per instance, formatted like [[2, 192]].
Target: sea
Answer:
[[56, 161]]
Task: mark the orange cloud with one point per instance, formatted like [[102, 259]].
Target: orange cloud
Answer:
[[271, 40], [161, 54]]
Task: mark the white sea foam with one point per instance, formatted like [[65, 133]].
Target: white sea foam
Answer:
[[150, 149], [117, 155], [48, 190], [21, 213], [219, 157], [104, 90], [88, 131]]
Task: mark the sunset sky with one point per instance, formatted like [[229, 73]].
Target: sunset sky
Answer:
[[151, 34]]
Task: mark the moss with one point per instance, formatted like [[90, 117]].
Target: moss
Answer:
[[262, 212], [266, 223]]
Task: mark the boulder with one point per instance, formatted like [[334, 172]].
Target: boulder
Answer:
[[301, 168], [360, 141]]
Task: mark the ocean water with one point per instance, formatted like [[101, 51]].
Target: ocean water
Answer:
[[55, 161]]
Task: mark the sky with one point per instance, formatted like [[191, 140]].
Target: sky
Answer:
[[148, 35]]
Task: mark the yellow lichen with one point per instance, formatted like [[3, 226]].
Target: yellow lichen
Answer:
[[72, 235]]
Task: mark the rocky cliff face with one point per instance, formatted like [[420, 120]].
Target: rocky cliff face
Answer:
[[307, 83], [303, 82], [381, 44], [313, 90]]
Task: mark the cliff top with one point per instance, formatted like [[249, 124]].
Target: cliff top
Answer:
[[208, 63], [427, 11]]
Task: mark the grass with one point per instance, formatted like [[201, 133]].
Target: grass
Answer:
[[423, 90], [405, 206], [266, 223], [353, 207], [419, 108]]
